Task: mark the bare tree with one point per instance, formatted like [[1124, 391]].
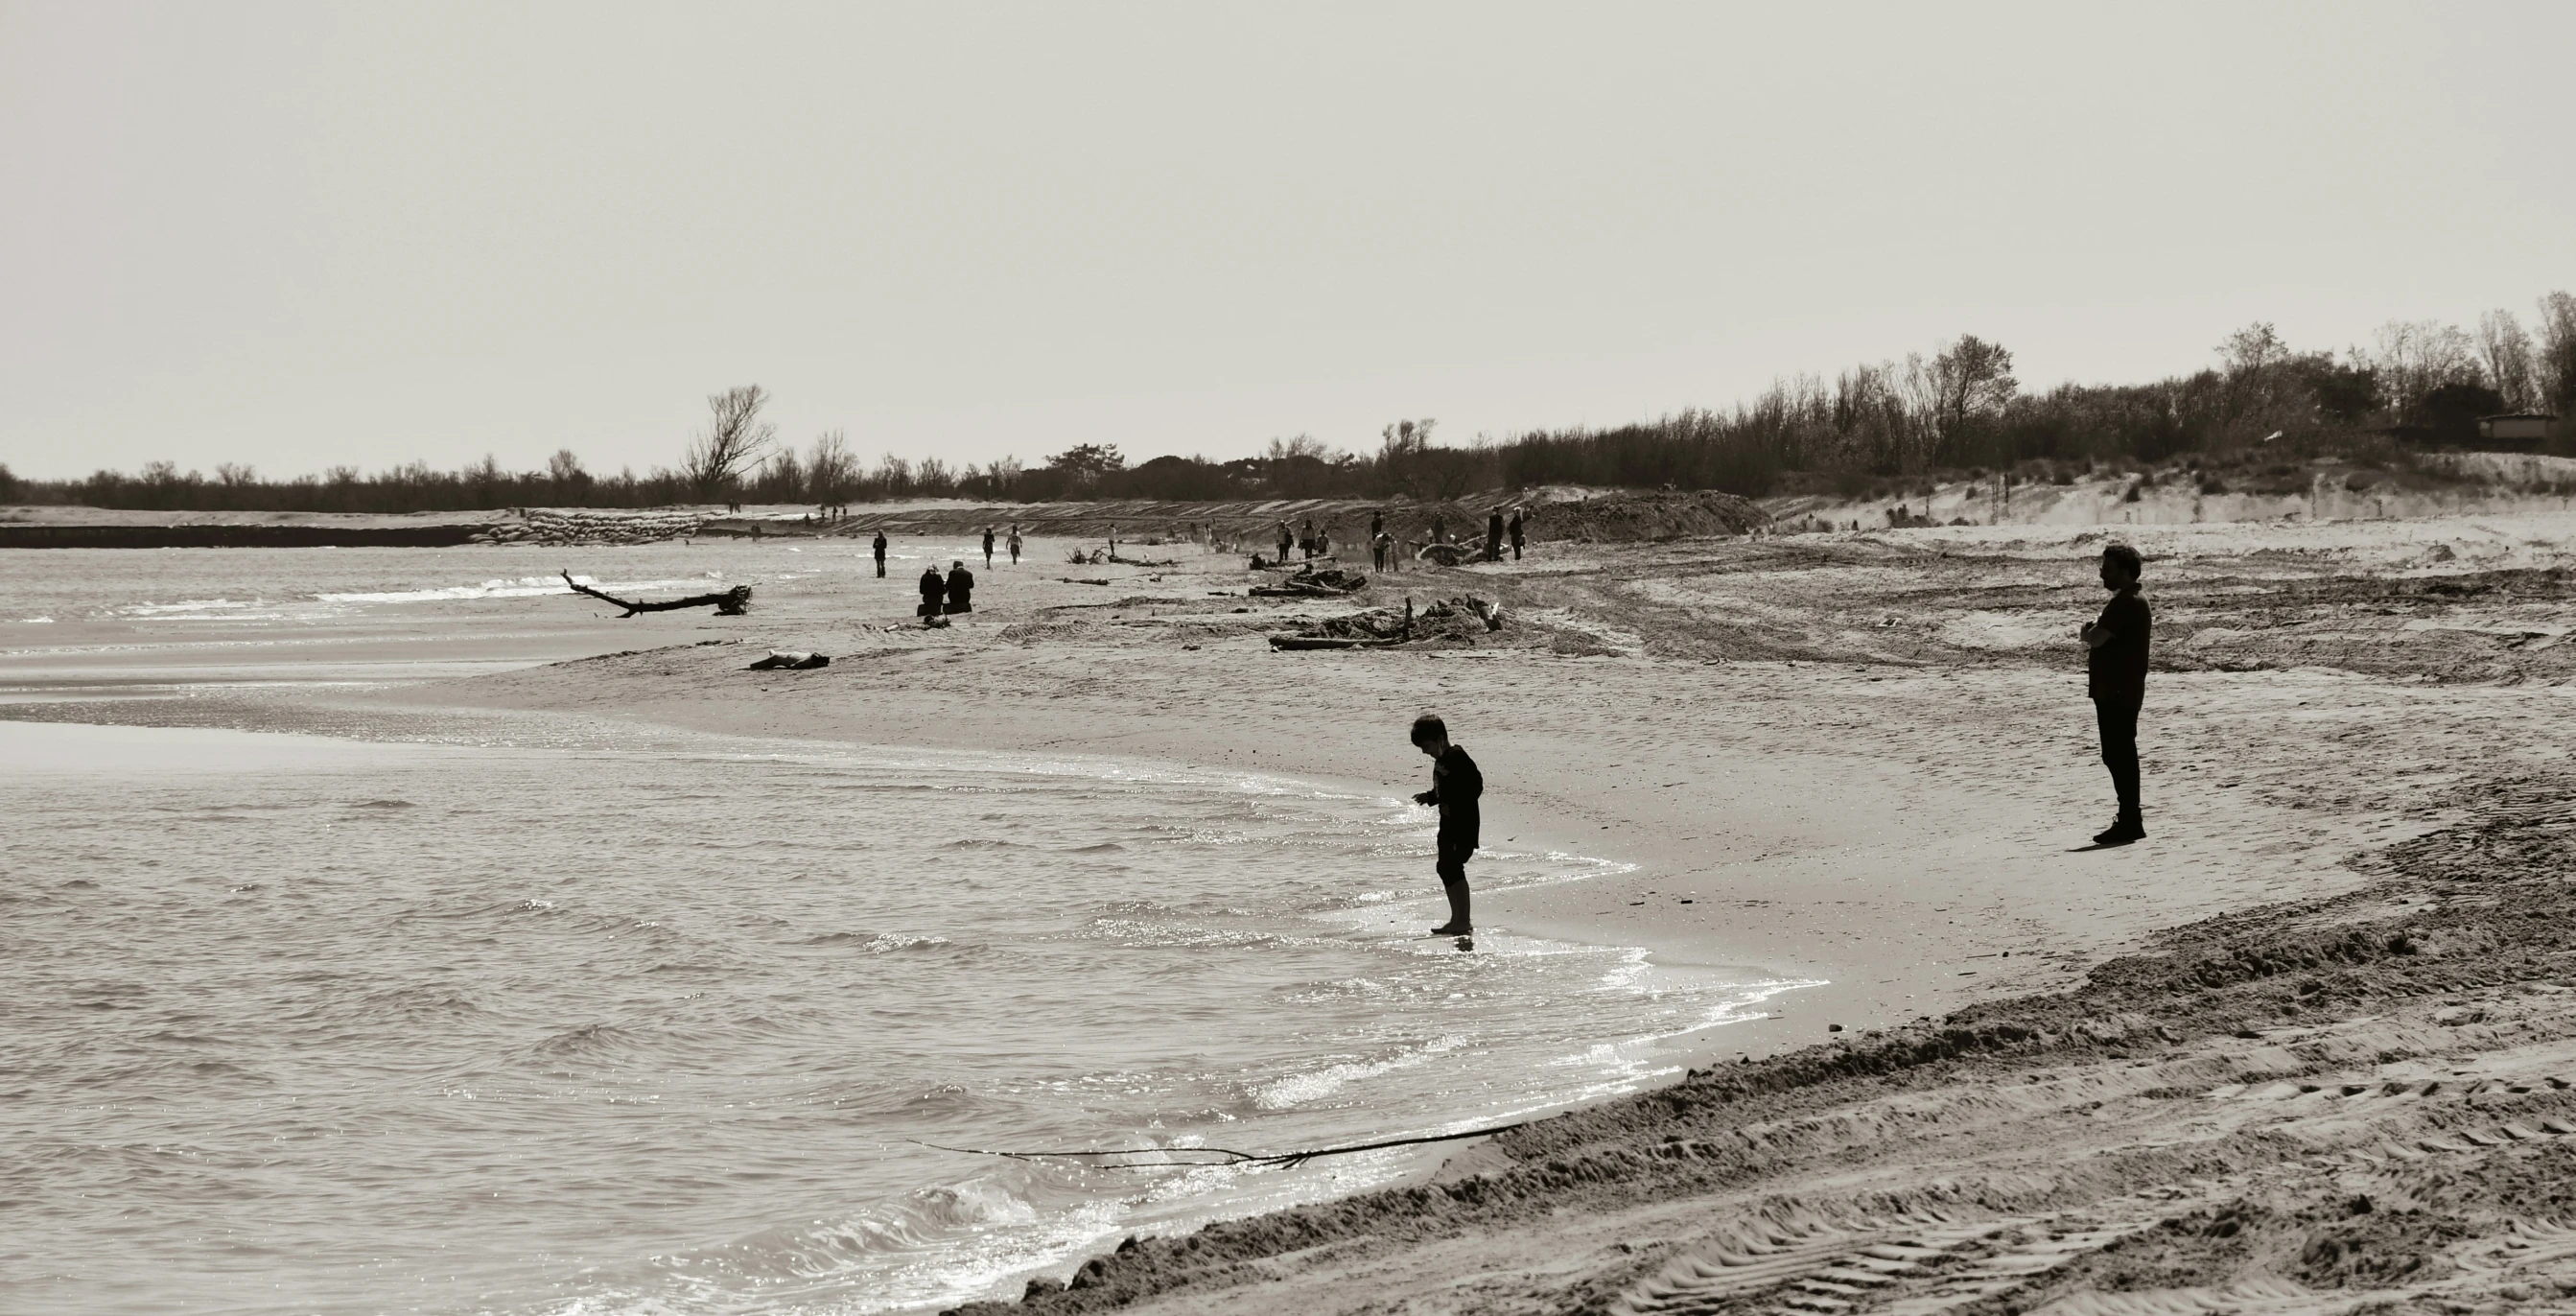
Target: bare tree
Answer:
[[1973, 379], [2505, 350], [236, 474], [2414, 357], [2554, 364], [735, 439], [2252, 350], [831, 471], [570, 479]]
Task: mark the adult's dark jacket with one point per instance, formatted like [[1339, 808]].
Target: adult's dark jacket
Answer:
[[880, 546], [2116, 672], [932, 586], [961, 589], [1455, 787]]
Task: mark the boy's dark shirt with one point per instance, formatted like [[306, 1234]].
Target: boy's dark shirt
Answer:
[[1455, 784], [2116, 671]]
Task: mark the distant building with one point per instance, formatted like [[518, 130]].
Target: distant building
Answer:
[[2517, 429]]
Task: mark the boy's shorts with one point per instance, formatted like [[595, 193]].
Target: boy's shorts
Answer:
[[1452, 864]]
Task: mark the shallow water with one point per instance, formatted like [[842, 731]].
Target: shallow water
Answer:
[[656, 1023]]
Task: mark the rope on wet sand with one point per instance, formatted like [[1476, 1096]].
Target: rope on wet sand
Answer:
[[1220, 1155]]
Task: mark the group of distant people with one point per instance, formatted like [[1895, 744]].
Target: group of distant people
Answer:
[[1506, 526]]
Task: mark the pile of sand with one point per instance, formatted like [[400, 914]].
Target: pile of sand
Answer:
[[1634, 517]]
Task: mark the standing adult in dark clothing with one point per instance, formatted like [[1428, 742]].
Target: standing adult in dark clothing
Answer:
[[1286, 537], [1494, 536], [1377, 523], [932, 590], [1439, 530], [2115, 670], [961, 588], [1377, 549], [1455, 788], [1015, 543], [1515, 529], [988, 548], [880, 547]]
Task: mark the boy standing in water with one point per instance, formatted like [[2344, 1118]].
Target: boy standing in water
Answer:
[[1455, 786], [2116, 677]]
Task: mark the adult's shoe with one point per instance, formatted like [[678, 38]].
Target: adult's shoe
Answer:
[[2129, 828]]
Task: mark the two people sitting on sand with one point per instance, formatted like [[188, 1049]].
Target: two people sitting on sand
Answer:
[[955, 593]]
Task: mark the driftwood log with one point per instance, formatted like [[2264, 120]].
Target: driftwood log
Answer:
[[731, 603], [1284, 641]]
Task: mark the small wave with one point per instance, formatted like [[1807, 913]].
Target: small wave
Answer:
[[383, 804], [522, 587], [1300, 1089], [877, 943], [1104, 847], [589, 1040]]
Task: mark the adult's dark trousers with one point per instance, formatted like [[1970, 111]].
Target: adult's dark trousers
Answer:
[[2117, 716], [880, 568]]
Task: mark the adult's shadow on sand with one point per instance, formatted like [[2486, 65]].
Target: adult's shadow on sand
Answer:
[[2102, 845]]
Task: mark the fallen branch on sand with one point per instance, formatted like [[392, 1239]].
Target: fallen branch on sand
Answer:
[[1312, 584], [1459, 620], [794, 660], [1221, 1155], [732, 603]]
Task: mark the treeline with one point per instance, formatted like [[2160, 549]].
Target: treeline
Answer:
[[1956, 408]]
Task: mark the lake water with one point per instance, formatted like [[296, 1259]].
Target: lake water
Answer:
[[460, 1014]]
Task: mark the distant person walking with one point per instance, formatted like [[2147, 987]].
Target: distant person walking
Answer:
[[1494, 536], [880, 549], [1455, 787], [1015, 544], [2115, 675], [988, 548], [1377, 523], [1379, 543], [961, 588], [1515, 529], [932, 590], [1286, 537]]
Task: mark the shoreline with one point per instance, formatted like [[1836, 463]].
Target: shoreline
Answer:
[[1863, 759]]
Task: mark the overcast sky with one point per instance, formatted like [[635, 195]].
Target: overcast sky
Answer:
[[303, 234]]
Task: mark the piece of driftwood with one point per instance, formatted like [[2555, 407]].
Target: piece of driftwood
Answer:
[[1329, 642], [732, 603], [1311, 584], [1447, 555], [794, 660]]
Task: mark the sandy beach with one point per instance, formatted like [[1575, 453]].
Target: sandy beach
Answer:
[[2022, 1070]]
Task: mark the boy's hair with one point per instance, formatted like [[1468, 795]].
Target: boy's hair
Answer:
[[1427, 726], [2126, 558]]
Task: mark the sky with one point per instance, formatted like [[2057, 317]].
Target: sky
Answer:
[[299, 235]]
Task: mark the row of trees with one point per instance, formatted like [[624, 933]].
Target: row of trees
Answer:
[[1957, 407]]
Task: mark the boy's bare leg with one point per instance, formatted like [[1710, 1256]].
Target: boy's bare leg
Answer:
[[1453, 880]]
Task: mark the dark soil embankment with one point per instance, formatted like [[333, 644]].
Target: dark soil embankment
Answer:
[[237, 536]]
